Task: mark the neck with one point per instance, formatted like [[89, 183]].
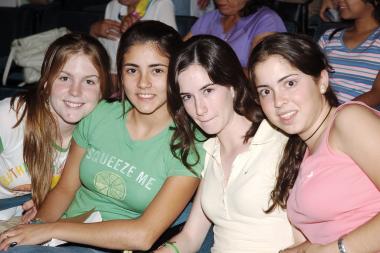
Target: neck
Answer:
[[229, 22], [366, 24], [66, 132], [144, 126], [312, 137], [231, 138]]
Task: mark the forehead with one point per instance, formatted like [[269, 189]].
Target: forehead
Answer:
[[193, 78], [145, 51], [272, 66]]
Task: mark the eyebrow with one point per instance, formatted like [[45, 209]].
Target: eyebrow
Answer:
[[151, 65], [69, 74], [278, 81], [202, 88]]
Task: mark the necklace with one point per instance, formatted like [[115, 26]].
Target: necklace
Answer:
[[319, 125]]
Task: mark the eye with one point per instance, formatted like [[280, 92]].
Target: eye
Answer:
[[290, 83], [264, 92], [90, 82], [63, 78], [158, 71], [185, 97], [207, 91], [130, 71]]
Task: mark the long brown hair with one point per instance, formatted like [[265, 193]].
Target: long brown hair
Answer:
[[304, 54], [41, 130], [223, 68]]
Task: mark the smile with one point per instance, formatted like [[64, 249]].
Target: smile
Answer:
[[73, 104], [145, 95]]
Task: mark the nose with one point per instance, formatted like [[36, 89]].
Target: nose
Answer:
[[279, 99], [75, 89], [144, 81], [200, 107]]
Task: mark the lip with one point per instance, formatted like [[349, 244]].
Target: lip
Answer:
[[72, 104], [287, 116], [145, 95]]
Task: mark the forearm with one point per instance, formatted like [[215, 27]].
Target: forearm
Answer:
[[371, 98], [55, 204], [116, 234]]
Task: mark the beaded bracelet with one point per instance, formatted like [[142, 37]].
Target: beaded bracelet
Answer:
[[173, 246]]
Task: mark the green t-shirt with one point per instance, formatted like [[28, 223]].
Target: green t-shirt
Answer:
[[120, 176]]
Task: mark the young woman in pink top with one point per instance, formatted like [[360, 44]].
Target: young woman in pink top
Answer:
[[329, 178]]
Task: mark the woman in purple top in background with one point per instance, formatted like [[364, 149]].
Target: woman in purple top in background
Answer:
[[241, 23]]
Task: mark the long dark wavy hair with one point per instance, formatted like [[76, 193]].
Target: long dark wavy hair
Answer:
[[223, 68], [32, 107], [304, 54]]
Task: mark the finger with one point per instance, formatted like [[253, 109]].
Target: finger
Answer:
[[29, 215], [28, 205]]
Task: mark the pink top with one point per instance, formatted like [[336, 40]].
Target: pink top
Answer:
[[332, 195]]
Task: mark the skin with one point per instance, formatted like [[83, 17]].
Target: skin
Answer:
[[292, 106], [326, 4], [211, 107], [144, 80]]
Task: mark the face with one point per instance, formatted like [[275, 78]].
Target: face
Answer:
[[230, 7], [291, 100], [353, 9], [76, 90], [209, 105], [144, 76]]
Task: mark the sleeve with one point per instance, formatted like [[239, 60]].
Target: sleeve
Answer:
[[323, 40], [8, 120], [166, 13]]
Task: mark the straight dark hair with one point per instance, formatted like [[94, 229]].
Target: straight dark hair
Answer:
[[304, 54], [223, 68]]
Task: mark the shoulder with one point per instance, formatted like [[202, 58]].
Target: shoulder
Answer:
[[7, 114], [354, 121]]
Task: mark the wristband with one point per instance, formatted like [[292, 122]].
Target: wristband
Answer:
[[36, 221], [341, 247], [173, 246]]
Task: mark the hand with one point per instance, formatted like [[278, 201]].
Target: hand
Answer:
[[129, 20], [25, 235], [326, 4], [30, 211], [202, 4], [109, 29], [308, 247]]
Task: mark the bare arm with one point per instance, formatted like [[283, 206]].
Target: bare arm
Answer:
[[137, 234], [191, 237], [58, 200], [106, 28], [372, 97], [187, 36]]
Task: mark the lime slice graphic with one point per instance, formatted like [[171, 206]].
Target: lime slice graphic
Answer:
[[110, 184]]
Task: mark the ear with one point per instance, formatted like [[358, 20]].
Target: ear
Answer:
[[232, 92], [323, 81]]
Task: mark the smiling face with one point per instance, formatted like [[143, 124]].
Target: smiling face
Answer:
[[230, 7], [209, 105], [353, 9], [76, 90], [144, 76], [291, 100]]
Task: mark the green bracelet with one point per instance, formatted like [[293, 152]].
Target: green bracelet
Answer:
[[173, 246]]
